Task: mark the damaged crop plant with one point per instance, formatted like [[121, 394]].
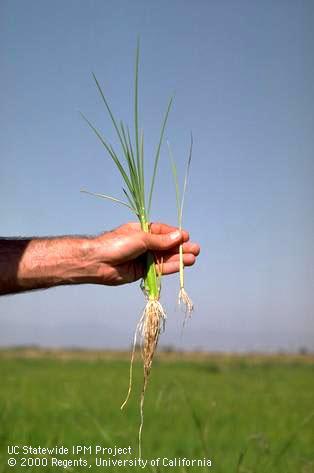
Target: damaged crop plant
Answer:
[[139, 200]]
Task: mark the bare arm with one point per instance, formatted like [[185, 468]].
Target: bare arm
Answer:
[[40, 263], [112, 258]]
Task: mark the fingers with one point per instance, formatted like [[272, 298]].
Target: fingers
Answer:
[[188, 247], [155, 228], [171, 259], [190, 252], [191, 247], [172, 267], [162, 228], [188, 259], [163, 242]]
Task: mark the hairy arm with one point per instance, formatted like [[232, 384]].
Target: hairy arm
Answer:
[[40, 263], [112, 258]]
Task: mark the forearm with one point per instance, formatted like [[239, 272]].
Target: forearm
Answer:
[[27, 264]]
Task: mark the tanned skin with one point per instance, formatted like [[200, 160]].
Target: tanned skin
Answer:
[[112, 258]]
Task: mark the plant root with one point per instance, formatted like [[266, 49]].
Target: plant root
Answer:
[[151, 323], [183, 298]]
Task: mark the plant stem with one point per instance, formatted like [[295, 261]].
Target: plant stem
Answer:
[[150, 278], [181, 267]]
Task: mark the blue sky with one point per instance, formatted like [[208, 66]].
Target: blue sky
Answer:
[[242, 74]]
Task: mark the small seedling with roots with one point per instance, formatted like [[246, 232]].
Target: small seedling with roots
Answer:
[[183, 297], [132, 171]]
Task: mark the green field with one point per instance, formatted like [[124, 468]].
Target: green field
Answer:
[[247, 414]]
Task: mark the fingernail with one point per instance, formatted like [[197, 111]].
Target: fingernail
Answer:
[[175, 235]]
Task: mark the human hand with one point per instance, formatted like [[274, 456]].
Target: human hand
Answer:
[[119, 255], [112, 258]]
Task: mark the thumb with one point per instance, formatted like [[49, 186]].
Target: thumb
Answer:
[[162, 242]]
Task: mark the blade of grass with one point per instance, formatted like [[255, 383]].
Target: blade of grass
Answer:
[[176, 183], [112, 154], [186, 179], [130, 143], [104, 196], [290, 440], [183, 296], [129, 150], [127, 153], [131, 165], [197, 420], [110, 112], [157, 156], [136, 106], [129, 198], [141, 174]]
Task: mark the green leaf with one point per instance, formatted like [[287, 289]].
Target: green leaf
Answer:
[[180, 204], [176, 183], [129, 198], [132, 166], [186, 178], [157, 155], [110, 112], [112, 154], [104, 196], [136, 106]]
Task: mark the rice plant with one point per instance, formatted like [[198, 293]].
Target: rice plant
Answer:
[[183, 297], [131, 167]]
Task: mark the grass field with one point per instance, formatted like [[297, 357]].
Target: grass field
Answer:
[[248, 414]]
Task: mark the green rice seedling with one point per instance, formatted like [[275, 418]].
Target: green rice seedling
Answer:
[[131, 169], [183, 297]]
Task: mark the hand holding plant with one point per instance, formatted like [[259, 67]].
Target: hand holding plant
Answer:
[[138, 194], [120, 255]]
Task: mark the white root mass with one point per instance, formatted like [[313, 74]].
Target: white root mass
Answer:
[[151, 323]]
